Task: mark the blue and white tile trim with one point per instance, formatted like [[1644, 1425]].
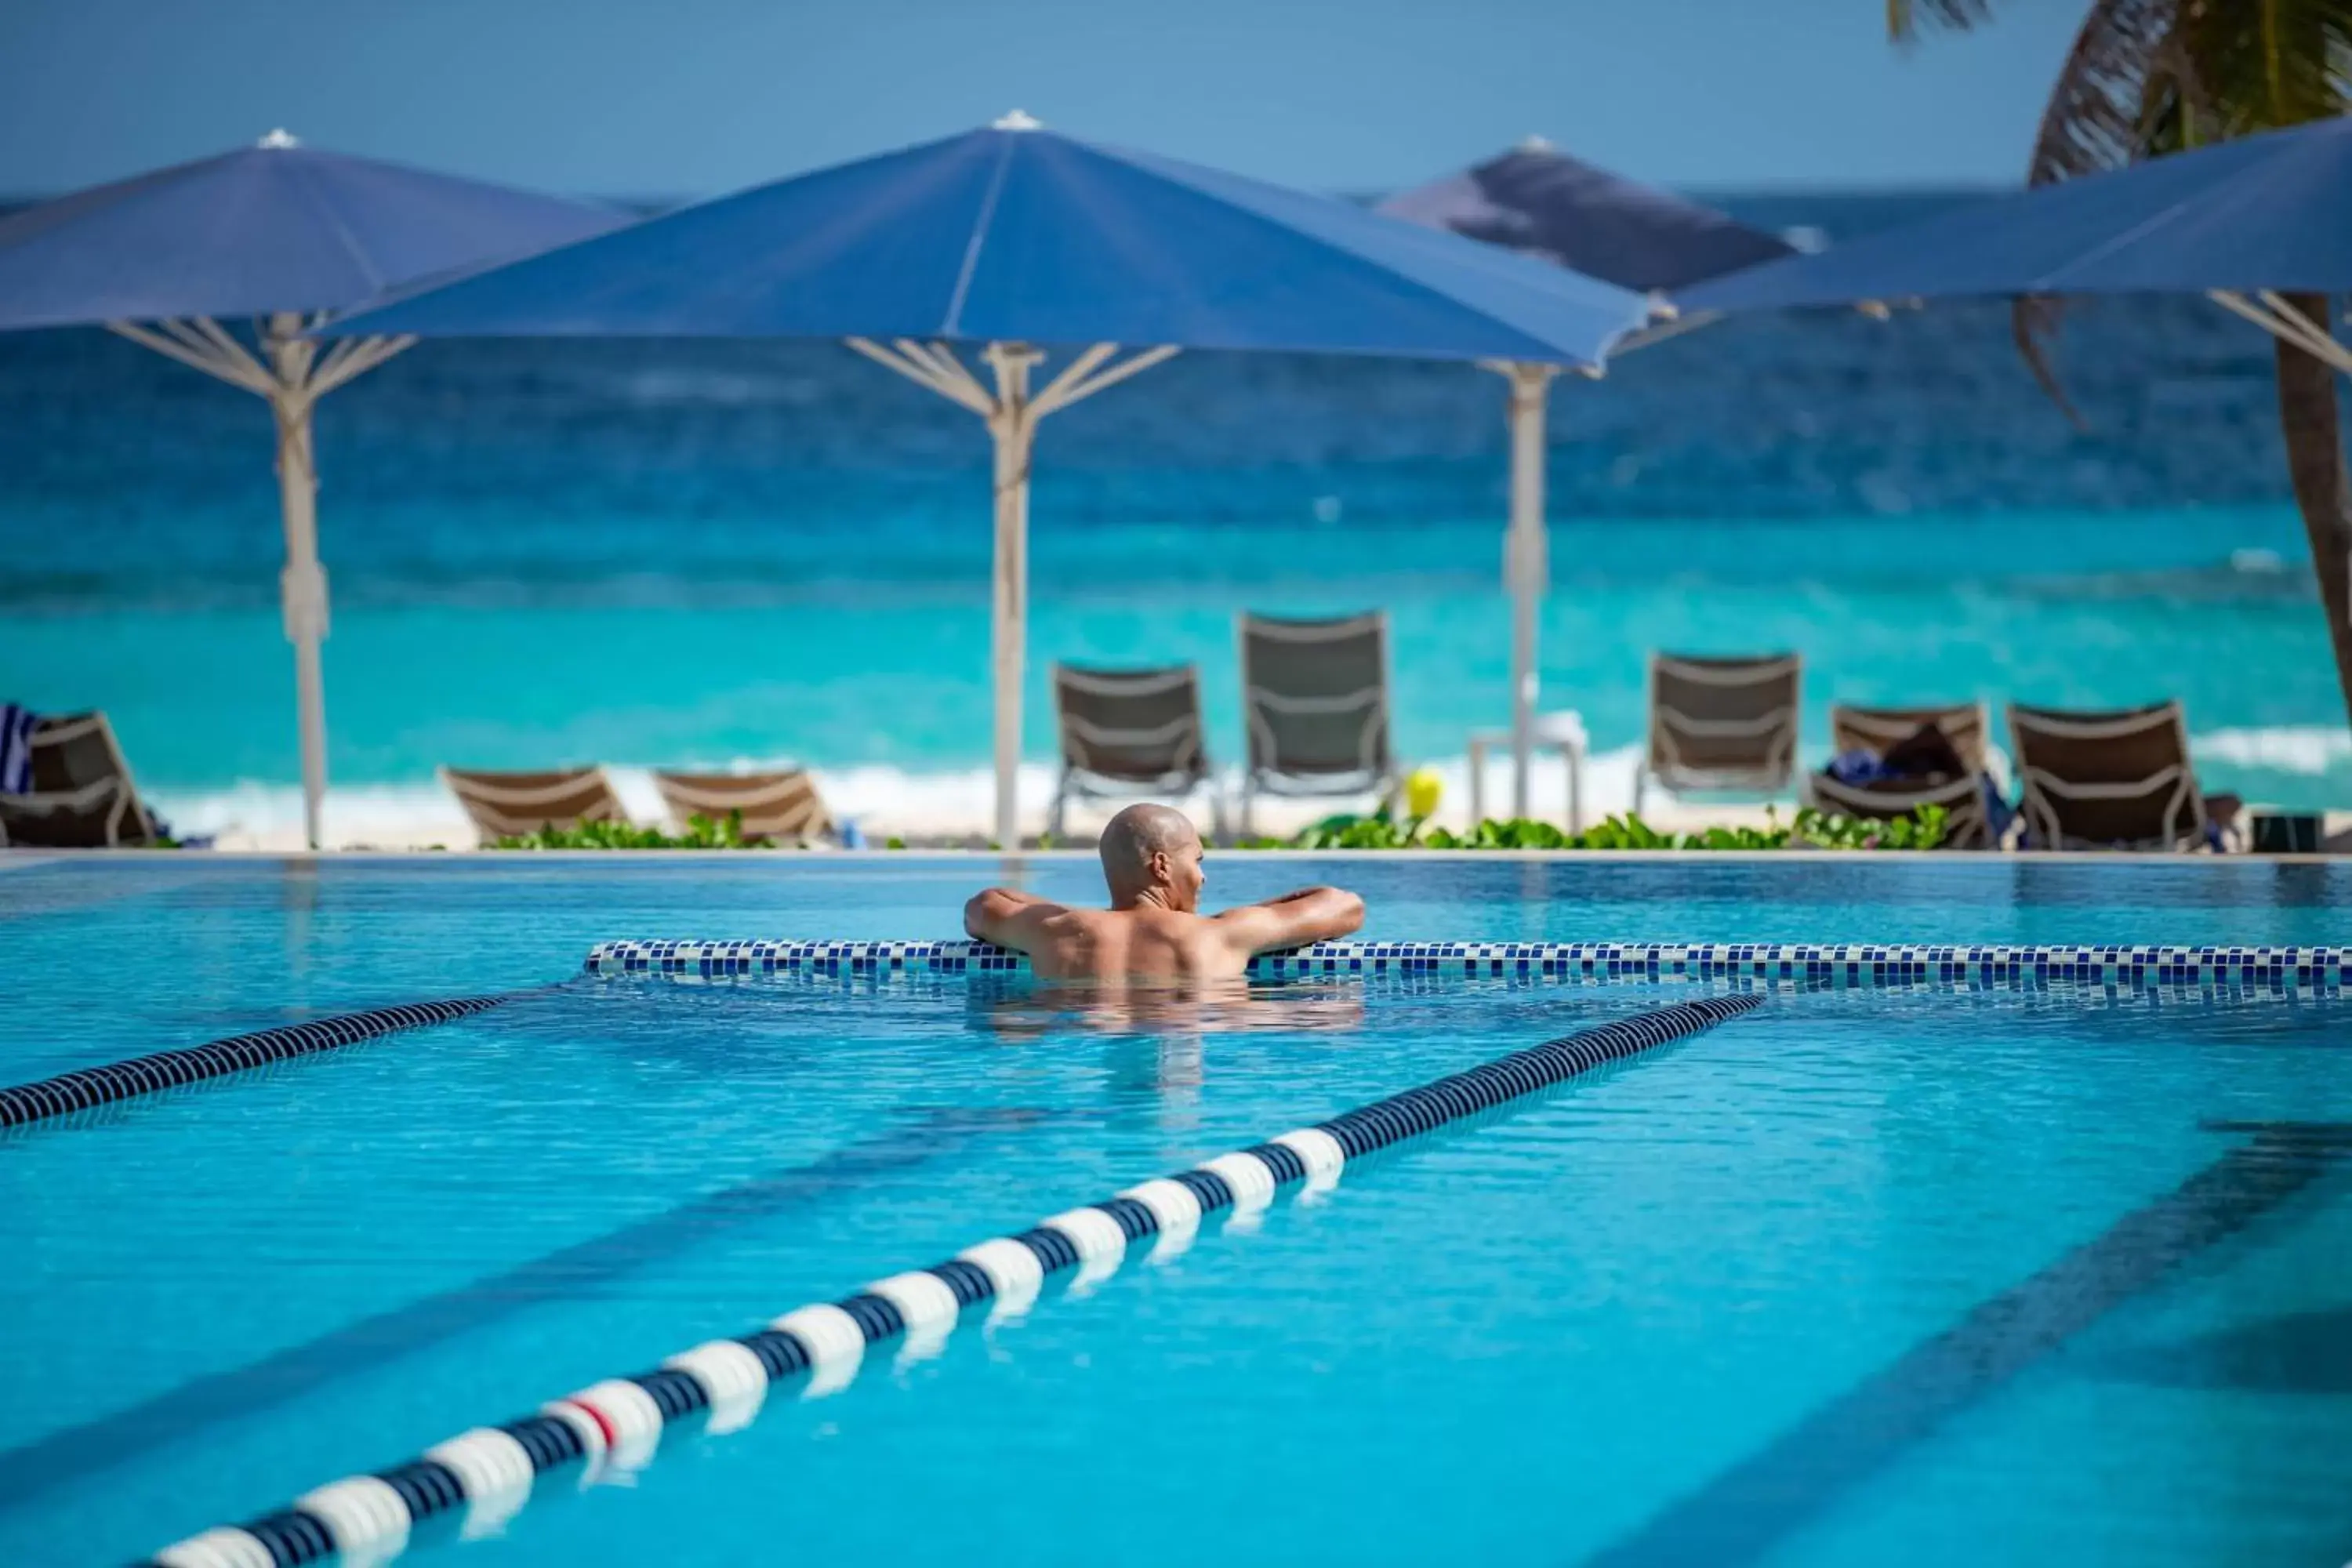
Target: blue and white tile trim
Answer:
[[1851, 963], [90, 1086], [614, 1429]]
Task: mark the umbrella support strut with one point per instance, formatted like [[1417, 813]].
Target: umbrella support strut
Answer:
[[1012, 412], [291, 375]]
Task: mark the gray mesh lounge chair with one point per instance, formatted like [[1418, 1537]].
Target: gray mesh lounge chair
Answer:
[[82, 796], [1721, 724], [1965, 724], [2107, 779], [512, 804], [1131, 732], [1315, 696], [783, 805]]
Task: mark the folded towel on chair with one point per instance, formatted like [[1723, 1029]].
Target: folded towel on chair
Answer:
[[17, 748]]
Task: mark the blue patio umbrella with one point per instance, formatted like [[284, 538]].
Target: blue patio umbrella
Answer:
[[1539, 201], [2243, 222], [288, 235], [1015, 238]]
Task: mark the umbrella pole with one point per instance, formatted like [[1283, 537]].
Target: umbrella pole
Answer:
[[303, 585], [1526, 562], [1012, 426], [1012, 413]]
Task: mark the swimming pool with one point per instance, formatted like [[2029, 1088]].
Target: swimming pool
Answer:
[[2005, 1275]]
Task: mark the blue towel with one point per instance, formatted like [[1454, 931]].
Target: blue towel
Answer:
[[17, 749]]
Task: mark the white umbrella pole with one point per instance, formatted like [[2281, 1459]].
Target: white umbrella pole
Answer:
[[1012, 426], [1012, 412], [302, 588], [303, 585], [1526, 562]]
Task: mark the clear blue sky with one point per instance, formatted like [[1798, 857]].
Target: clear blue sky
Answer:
[[694, 97]]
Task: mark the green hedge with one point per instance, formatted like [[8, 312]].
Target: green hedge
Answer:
[[1809, 829]]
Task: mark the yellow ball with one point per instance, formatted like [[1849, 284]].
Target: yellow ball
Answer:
[[1423, 790]]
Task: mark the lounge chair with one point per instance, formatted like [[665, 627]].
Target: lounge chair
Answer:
[[783, 807], [505, 805], [1721, 724], [2115, 780], [1315, 698], [1874, 730], [82, 797], [1130, 733]]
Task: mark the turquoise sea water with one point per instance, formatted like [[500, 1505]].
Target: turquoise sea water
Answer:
[[1837, 1244], [667, 554]]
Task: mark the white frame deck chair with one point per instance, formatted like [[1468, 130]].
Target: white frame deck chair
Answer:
[[2116, 779], [1966, 724], [782, 806], [513, 804], [1131, 733], [1319, 726], [82, 795], [1721, 724]]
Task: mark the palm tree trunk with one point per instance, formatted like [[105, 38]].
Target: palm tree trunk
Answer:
[[2315, 460]]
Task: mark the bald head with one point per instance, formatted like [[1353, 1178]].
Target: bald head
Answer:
[[1152, 852]]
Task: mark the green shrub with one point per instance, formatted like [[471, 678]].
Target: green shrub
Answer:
[[1924, 829], [701, 833]]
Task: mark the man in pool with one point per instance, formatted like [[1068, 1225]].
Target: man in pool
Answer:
[[1153, 929]]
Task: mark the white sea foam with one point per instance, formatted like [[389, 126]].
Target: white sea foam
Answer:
[[955, 804]]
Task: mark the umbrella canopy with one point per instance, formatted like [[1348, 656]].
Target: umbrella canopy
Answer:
[[260, 231], [1015, 234], [1011, 236], [287, 235], [2267, 212], [1539, 201]]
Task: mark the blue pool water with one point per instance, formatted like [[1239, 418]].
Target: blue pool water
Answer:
[[1576, 1333]]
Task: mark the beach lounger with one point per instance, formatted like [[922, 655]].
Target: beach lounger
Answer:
[[2107, 779], [1875, 730], [510, 805], [1315, 699], [1721, 724], [1131, 732], [81, 795], [783, 806]]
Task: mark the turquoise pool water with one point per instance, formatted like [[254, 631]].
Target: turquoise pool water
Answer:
[[1809, 1287]]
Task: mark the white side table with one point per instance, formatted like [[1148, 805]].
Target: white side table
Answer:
[[1562, 731]]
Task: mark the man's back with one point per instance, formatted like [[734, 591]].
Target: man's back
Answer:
[[1137, 944]]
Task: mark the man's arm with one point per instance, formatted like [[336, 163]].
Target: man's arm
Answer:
[[1007, 918], [1294, 920]]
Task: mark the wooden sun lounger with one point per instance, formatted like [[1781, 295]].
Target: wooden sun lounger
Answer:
[[1965, 724], [82, 795], [1315, 699], [1721, 724], [1131, 733], [512, 804], [783, 806], [2109, 780]]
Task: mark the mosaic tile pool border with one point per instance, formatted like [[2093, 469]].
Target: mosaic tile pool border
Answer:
[[1848, 963]]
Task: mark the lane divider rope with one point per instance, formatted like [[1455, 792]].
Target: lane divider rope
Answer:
[[1848, 963], [615, 1427], [88, 1087]]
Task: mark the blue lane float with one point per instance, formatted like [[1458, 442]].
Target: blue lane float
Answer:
[[90, 1087], [614, 1429], [1858, 964]]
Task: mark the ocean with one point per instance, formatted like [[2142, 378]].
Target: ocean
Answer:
[[705, 554]]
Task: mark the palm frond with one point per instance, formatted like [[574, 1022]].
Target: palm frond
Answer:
[[2097, 118], [2262, 64], [1907, 20]]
